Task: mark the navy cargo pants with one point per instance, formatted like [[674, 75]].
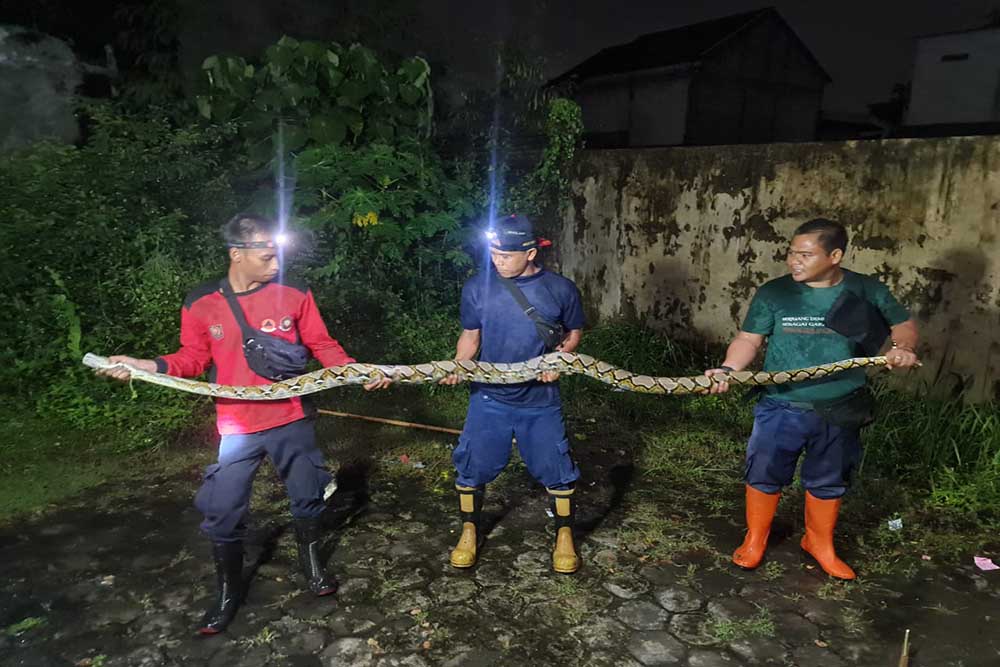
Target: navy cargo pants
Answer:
[[780, 434], [224, 496], [484, 447]]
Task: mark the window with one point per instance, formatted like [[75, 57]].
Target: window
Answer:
[[952, 57]]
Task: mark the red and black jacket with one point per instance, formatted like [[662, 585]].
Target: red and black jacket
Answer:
[[211, 336]]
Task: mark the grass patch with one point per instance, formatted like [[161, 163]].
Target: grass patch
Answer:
[[948, 446], [725, 630], [46, 461], [836, 590], [691, 456], [772, 570], [22, 626], [426, 461], [265, 637], [853, 621], [654, 534]]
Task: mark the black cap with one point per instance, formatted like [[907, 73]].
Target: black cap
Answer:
[[514, 233]]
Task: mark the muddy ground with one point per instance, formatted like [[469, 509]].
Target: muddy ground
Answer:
[[120, 576]]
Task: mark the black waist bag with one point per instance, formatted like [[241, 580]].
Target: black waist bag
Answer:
[[268, 356], [854, 410], [857, 319]]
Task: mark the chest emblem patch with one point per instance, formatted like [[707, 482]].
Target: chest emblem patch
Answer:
[[286, 323], [267, 326], [215, 331]]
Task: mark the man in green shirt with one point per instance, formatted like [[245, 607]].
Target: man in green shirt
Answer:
[[818, 416]]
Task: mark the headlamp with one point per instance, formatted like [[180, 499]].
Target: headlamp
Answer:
[[280, 240]]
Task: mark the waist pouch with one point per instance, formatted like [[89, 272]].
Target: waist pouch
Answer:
[[858, 320], [268, 356], [551, 333], [854, 410], [274, 358]]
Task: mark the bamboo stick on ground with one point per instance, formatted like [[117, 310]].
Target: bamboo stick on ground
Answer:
[[904, 657], [391, 422]]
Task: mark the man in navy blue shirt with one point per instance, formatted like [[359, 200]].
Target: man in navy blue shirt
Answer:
[[499, 329]]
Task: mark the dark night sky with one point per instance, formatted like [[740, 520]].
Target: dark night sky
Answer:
[[866, 46]]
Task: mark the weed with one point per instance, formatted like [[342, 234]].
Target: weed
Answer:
[[835, 590], [654, 535], [853, 621], [24, 625], [263, 638], [940, 608], [759, 625], [689, 578], [772, 570]]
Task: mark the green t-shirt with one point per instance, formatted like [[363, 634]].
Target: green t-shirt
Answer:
[[791, 315]]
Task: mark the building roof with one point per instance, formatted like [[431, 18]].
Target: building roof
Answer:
[[687, 44], [984, 28]]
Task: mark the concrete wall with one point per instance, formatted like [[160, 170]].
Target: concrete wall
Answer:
[[680, 237], [956, 79]]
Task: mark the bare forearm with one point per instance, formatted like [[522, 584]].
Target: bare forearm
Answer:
[[906, 336], [741, 353], [468, 345], [571, 342]]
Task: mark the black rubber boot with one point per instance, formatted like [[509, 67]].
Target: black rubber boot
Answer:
[[228, 558], [307, 535]]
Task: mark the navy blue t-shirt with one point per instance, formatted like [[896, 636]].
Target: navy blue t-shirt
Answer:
[[508, 335]]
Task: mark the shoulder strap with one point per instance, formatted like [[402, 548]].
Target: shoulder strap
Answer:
[[522, 300], [854, 284], [234, 305]]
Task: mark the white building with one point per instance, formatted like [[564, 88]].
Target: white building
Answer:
[[956, 79]]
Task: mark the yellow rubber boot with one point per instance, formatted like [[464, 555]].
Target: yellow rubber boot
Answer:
[[564, 558], [470, 502], [821, 519], [760, 508]]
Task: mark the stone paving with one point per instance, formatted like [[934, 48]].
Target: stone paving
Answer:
[[120, 577]]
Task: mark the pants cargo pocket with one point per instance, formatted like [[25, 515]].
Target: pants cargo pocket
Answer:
[[564, 470], [324, 478], [462, 456], [205, 497]]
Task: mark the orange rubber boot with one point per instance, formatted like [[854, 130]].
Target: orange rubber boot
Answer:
[[821, 519], [760, 513]]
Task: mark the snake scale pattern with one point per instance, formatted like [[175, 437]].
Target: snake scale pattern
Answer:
[[490, 373]]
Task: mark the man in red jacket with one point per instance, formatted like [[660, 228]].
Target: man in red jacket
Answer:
[[282, 430]]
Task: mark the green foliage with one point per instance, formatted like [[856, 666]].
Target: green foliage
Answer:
[[729, 630], [104, 241], [544, 189], [19, 628], [389, 226], [321, 94], [948, 445], [419, 337], [638, 348]]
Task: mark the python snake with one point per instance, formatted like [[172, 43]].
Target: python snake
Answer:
[[490, 373]]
